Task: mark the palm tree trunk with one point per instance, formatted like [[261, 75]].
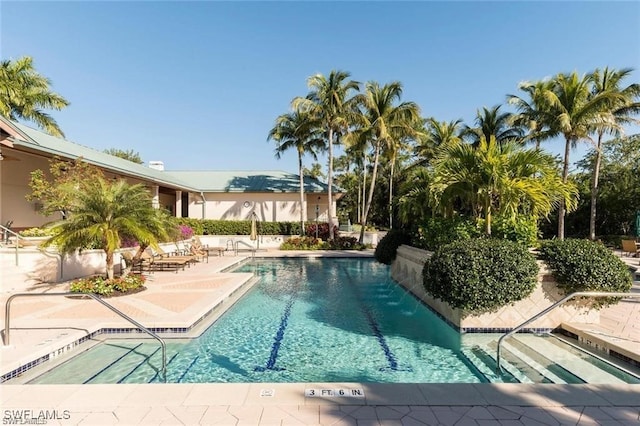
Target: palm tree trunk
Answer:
[[487, 218], [110, 273], [565, 178], [364, 190], [594, 189], [330, 183], [302, 209], [371, 188], [391, 194]]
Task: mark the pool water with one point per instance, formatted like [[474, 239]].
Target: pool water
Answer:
[[307, 320]]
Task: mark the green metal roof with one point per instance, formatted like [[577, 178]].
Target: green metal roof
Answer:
[[194, 181], [248, 181]]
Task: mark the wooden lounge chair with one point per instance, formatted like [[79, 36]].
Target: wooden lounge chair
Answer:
[[160, 263], [161, 254], [135, 264], [629, 247], [206, 247]]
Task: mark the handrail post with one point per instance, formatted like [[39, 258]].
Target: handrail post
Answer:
[[7, 319], [18, 236], [552, 307]]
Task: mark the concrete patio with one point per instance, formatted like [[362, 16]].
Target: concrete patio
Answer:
[[44, 325]]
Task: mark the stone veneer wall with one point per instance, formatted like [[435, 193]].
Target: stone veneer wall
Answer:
[[407, 270]]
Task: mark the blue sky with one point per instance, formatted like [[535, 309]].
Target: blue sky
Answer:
[[198, 85]]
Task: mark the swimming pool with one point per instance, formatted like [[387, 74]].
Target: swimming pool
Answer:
[[309, 320]]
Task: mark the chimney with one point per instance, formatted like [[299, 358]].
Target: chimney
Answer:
[[156, 165]]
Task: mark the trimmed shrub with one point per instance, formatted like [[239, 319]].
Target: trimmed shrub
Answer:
[[387, 247], [345, 243], [436, 232], [480, 275], [582, 265], [195, 224], [36, 232]]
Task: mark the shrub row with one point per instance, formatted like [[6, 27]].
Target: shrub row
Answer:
[[106, 287], [239, 227], [313, 243]]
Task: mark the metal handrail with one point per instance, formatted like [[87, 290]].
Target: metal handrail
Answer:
[[7, 318], [552, 307], [237, 243], [18, 237]]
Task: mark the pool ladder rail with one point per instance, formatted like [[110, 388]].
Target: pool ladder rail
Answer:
[[552, 307], [7, 318]]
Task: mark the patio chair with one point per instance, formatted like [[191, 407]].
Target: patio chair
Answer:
[[135, 264], [630, 248], [160, 263], [161, 254]]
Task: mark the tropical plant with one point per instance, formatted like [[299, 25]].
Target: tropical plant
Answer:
[[617, 112], [105, 212], [298, 130], [564, 106], [491, 122], [25, 93], [437, 133], [329, 102], [492, 178], [383, 124]]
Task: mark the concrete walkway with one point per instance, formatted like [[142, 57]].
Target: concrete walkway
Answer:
[[41, 326]]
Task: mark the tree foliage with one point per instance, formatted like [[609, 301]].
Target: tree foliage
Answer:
[[25, 94], [129, 154], [56, 190]]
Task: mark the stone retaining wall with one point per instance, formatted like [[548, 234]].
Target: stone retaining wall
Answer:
[[407, 270]]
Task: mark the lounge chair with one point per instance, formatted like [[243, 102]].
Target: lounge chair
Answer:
[[135, 264], [161, 254], [168, 262], [206, 247], [629, 247]]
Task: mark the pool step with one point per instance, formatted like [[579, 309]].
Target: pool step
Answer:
[[557, 354]]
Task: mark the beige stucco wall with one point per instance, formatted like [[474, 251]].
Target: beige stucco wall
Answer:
[[270, 206], [407, 270], [15, 176]]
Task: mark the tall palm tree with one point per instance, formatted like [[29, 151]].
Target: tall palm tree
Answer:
[[491, 122], [300, 131], [24, 93], [329, 101], [533, 114], [617, 113], [498, 178], [567, 107], [383, 124], [103, 213]]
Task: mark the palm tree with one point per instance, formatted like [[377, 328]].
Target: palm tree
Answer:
[[498, 178], [105, 212], [329, 102], [383, 124], [300, 131], [617, 113], [533, 114], [24, 92], [564, 106], [435, 134], [491, 122]]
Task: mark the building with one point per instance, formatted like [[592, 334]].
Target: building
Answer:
[[230, 195]]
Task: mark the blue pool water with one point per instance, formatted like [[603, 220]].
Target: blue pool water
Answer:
[[307, 320]]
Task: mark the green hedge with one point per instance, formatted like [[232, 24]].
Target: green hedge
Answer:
[[436, 232], [239, 227], [480, 275], [582, 265], [387, 247]]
